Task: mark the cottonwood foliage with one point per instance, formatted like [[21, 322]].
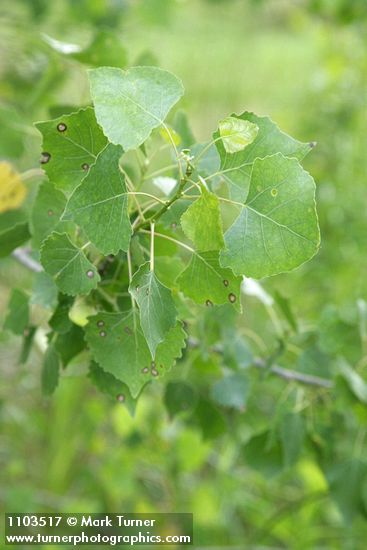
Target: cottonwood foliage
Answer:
[[126, 252]]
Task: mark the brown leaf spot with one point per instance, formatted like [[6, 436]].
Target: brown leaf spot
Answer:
[[61, 127], [45, 157], [85, 166], [209, 303], [232, 298]]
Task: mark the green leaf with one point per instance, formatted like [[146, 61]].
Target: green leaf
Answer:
[[346, 482], [14, 231], [108, 384], [179, 397], [292, 435], [339, 335], [314, 361], [206, 161], [167, 270], [44, 291], [69, 344], [236, 351], [210, 419], [264, 454], [236, 134], [206, 282], [46, 212], [60, 321], [231, 391], [28, 337], [277, 230], [182, 127], [156, 306], [129, 104], [17, 318], [236, 167], [202, 222], [105, 49], [72, 271], [50, 371], [10, 218], [353, 380], [12, 135], [118, 345], [284, 305], [99, 205], [71, 144]]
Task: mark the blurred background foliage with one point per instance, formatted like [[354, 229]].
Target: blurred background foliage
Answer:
[[276, 464]]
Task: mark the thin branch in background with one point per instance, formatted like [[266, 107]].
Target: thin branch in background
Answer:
[[287, 374], [23, 257]]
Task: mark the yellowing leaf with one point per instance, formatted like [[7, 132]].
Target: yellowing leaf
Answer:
[[169, 135], [236, 133], [12, 189]]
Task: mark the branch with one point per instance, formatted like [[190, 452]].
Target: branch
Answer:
[[287, 374], [23, 257], [164, 208]]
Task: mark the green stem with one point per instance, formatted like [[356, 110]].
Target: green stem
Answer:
[[32, 173], [160, 171], [175, 150], [168, 238], [159, 214], [152, 246], [85, 245], [157, 199], [206, 148], [130, 186], [130, 271]]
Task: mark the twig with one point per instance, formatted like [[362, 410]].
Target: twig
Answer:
[[22, 256], [32, 173], [287, 374], [155, 217]]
